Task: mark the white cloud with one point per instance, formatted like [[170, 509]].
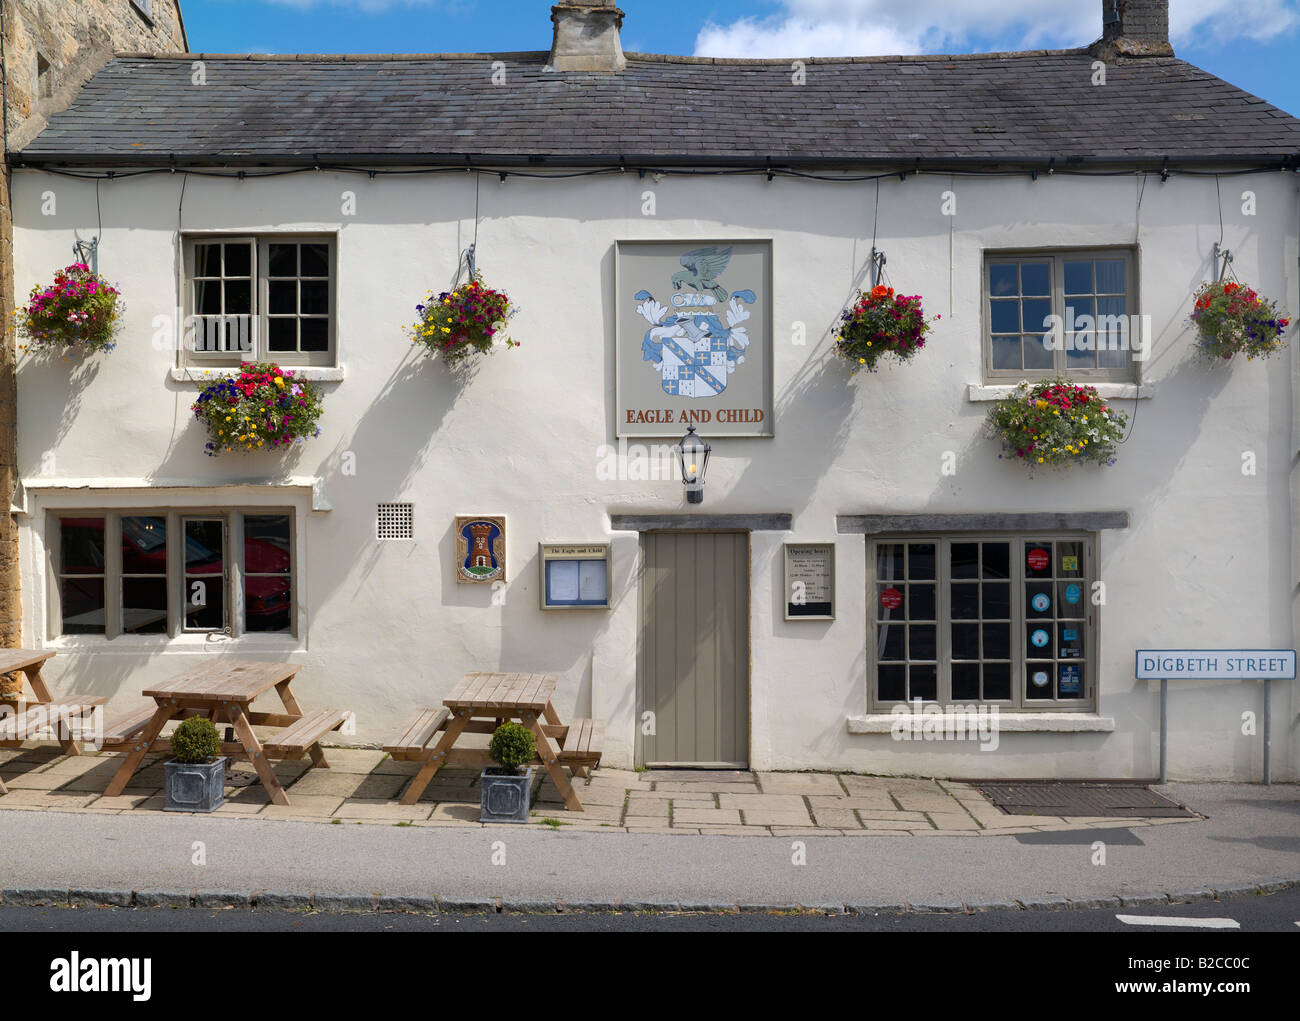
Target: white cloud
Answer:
[[866, 27]]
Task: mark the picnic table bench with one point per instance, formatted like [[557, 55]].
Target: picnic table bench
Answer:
[[223, 690], [478, 705], [34, 715]]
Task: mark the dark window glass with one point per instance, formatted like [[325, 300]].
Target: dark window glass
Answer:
[[997, 641], [997, 680], [282, 335], [997, 560], [965, 681], [283, 261], [965, 560], [965, 641], [1002, 279], [923, 682], [965, 602], [144, 606], [144, 545], [920, 602], [889, 562], [315, 297], [239, 260], [891, 683], [315, 260], [315, 334], [83, 605], [921, 642], [890, 642], [81, 546], [920, 561], [266, 603], [997, 601], [283, 296], [1035, 278]]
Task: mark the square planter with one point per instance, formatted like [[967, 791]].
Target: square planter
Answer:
[[195, 786], [505, 797]]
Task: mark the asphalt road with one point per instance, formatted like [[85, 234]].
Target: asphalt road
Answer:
[[1278, 912]]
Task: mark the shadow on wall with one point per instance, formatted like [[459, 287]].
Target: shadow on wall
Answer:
[[60, 380]]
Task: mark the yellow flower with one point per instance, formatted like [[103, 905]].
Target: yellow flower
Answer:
[[279, 382], [1057, 414], [862, 361], [1040, 404], [868, 343], [1040, 460]]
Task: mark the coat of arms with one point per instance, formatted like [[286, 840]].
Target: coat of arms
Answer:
[[480, 549], [696, 341]]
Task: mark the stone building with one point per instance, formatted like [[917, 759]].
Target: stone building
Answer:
[[51, 48]]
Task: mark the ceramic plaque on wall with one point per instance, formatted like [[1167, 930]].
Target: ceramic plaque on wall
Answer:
[[480, 548]]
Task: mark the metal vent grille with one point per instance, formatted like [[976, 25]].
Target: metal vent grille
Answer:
[[395, 521], [1119, 801]]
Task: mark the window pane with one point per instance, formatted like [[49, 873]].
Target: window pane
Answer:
[[1037, 355], [965, 641], [144, 545], [1071, 554], [997, 680], [1069, 598], [207, 298], [315, 297], [891, 683], [266, 544], [204, 547], [239, 260], [965, 602], [83, 605], [1038, 560], [1002, 279], [315, 334], [921, 641], [1038, 639], [997, 601], [1110, 276], [1036, 312], [889, 642], [997, 641], [1006, 352], [1004, 316], [889, 561], [923, 682], [1078, 277], [207, 260], [283, 297], [315, 260], [965, 682], [920, 561], [997, 560], [1070, 640], [81, 546], [1069, 680], [266, 604], [205, 603], [1038, 599], [920, 602], [282, 335], [239, 297], [1040, 680], [144, 606], [1035, 278], [283, 261], [964, 560]]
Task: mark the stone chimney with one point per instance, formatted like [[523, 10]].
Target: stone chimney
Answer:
[[1134, 28], [586, 36]]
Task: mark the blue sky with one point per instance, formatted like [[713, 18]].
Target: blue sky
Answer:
[[1251, 43]]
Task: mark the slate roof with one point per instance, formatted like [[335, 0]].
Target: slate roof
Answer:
[[989, 108]]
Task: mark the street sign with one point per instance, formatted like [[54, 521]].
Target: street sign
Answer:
[[1216, 664]]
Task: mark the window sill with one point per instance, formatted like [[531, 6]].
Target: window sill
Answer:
[[1111, 391], [200, 644], [311, 373], [1007, 722]]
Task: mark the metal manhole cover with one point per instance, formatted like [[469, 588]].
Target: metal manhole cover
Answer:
[[242, 778], [1119, 801]]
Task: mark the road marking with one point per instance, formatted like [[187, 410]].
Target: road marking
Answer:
[[1191, 923]]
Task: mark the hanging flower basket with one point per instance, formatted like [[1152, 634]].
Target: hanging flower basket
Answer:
[[1058, 423], [465, 321], [80, 311], [261, 407], [1233, 319], [881, 323]]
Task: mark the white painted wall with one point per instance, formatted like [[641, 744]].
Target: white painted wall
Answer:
[[1207, 562]]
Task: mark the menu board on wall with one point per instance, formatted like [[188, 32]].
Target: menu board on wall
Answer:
[[574, 575], [810, 581]]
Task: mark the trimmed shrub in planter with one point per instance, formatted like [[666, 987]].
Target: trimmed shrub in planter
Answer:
[[196, 776], [1233, 319], [881, 323], [262, 407], [506, 793], [80, 311], [1058, 423], [467, 320]]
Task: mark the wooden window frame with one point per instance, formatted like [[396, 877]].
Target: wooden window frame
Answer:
[[1056, 257], [1019, 629], [260, 243]]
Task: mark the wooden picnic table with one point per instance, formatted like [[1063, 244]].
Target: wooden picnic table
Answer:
[[223, 690], [478, 705], [31, 714]]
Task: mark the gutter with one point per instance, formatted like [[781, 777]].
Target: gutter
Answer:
[[649, 161]]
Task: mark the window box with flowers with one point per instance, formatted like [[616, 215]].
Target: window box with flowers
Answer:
[[1233, 319], [1058, 424], [881, 323], [261, 407], [467, 320], [79, 311]]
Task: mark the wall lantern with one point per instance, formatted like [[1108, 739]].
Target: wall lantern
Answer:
[[693, 453]]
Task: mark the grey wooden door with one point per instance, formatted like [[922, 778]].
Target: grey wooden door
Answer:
[[693, 648]]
